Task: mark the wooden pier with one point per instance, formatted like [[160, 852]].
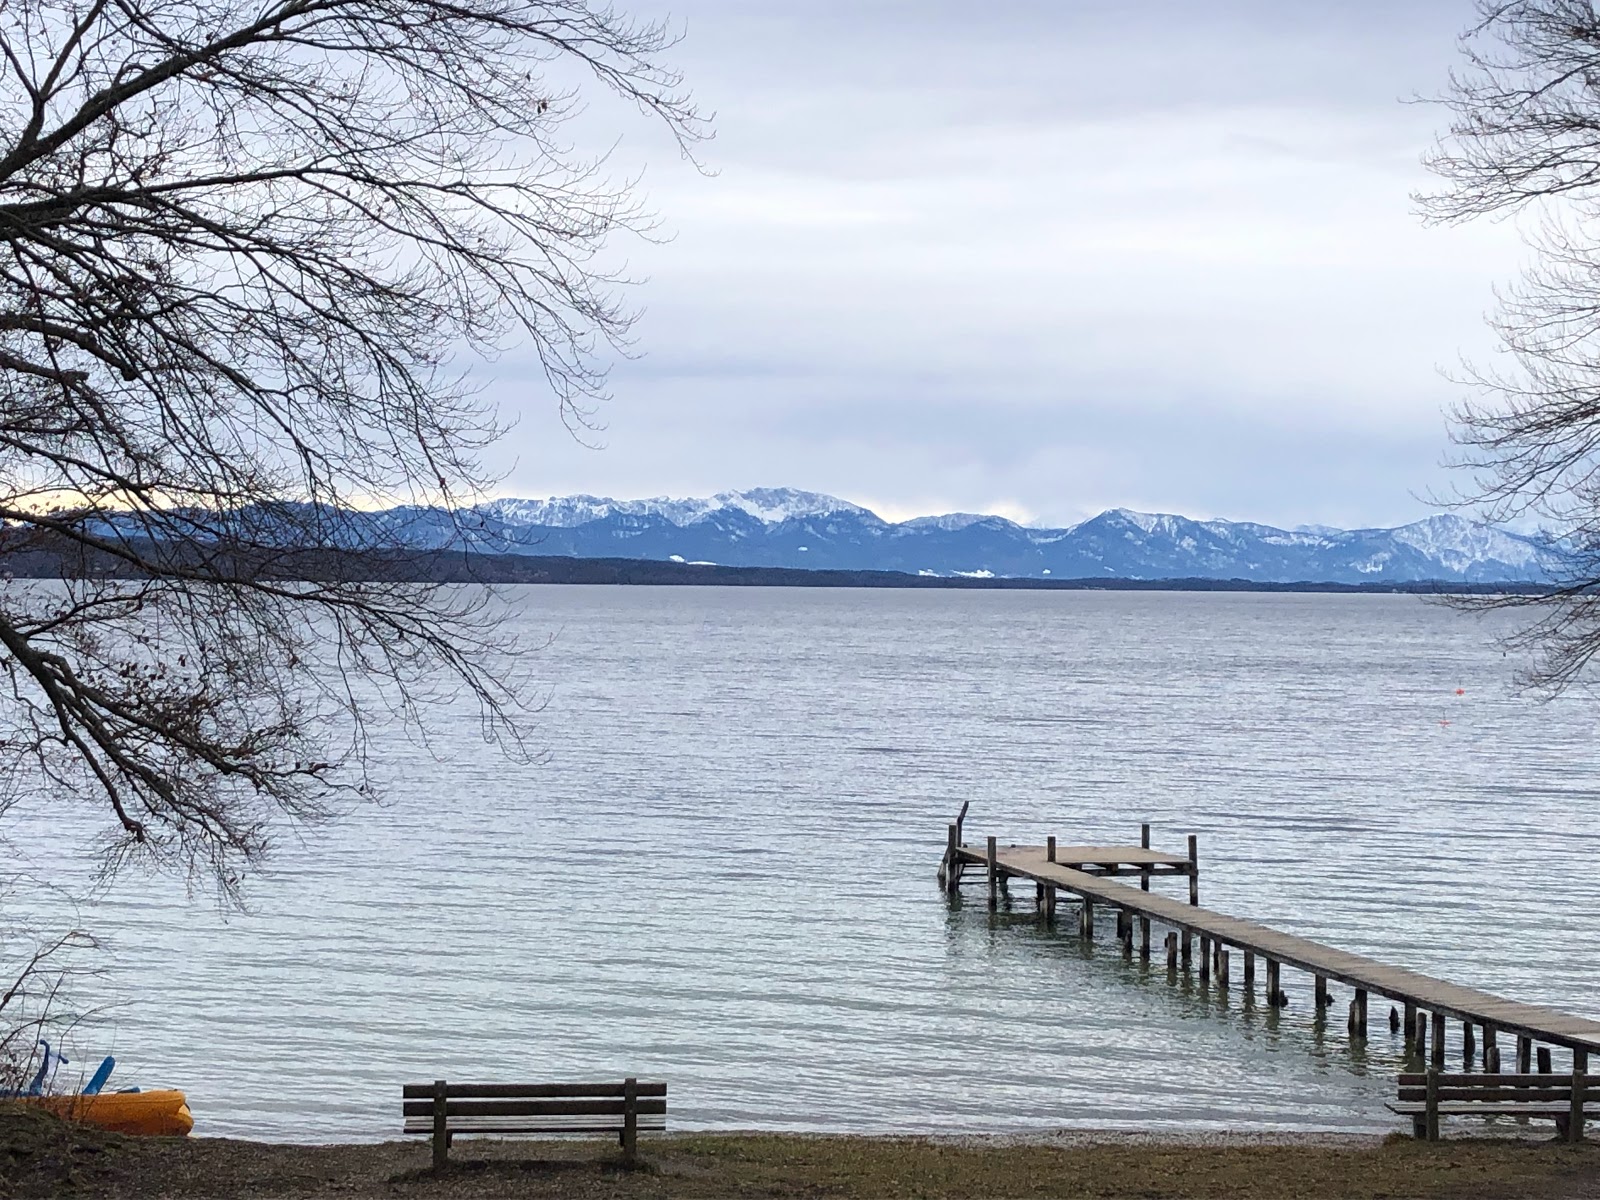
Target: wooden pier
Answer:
[[1088, 875]]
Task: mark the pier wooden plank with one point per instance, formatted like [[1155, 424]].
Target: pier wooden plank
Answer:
[[1439, 996]]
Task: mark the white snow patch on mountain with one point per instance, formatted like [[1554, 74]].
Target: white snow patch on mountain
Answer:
[[770, 506], [1458, 543], [949, 522]]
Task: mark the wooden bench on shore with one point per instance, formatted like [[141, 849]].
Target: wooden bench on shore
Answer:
[[1425, 1097], [444, 1109]]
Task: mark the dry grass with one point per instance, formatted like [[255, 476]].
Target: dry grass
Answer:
[[42, 1157]]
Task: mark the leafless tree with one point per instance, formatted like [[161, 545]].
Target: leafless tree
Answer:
[[247, 247], [1524, 139]]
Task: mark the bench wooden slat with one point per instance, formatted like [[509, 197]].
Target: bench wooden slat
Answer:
[[1503, 1095], [511, 1091], [1416, 1079], [532, 1108], [515, 1125], [1539, 1109]]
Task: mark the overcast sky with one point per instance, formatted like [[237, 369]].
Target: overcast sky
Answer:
[[1042, 258]]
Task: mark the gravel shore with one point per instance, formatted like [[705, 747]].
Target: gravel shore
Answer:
[[43, 1157]]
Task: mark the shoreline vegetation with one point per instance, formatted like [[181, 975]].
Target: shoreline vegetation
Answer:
[[45, 559], [42, 1156]]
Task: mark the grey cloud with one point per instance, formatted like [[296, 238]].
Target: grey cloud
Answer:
[[1053, 255]]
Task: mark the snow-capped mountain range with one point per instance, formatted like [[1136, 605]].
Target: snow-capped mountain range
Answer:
[[782, 527]]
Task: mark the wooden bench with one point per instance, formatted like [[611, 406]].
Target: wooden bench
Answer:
[[1425, 1097], [445, 1109]]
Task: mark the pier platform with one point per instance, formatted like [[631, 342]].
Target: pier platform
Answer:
[[1087, 875]]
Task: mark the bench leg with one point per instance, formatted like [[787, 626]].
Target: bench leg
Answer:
[[630, 1121], [1419, 1127], [1563, 1129], [441, 1135]]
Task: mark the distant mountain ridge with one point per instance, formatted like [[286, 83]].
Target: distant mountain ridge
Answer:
[[784, 527]]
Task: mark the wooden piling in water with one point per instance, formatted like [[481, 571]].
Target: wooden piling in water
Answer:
[[1144, 938], [1544, 1060], [1419, 1037], [1194, 869], [1249, 972], [1205, 959], [1410, 1023], [1050, 848], [1086, 920], [1186, 940], [1144, 844], [1359, 1009], [1468, 1046], [1491, 1050], [1438, 1041], [1524, 1055], [1172, 950], [1274, 995], [994, 876], [1222, 966], [1322, 992]]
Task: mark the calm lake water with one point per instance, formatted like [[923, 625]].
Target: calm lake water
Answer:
[[723, 876]]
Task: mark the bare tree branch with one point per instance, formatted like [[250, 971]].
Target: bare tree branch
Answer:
[[1525, 138], [242, 246]]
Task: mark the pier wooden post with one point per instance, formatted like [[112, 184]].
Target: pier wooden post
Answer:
[[1468, 1045], [1410, 1022], [1194, 869], [1172, 950], [1205, 959], [1222, 966], [1144, 872], [1086, 919], [1419, 1040], [1274, 996], [1249, 972], [1186, 941], [950, 876], [994, 876], [1438, 1041], [1358, 1014], [1144, 938], [1322, 992], [1050, 848], [1524, 1055], [1580, 1081], [1491, 1050], [1050, 903], [1544, 1060]]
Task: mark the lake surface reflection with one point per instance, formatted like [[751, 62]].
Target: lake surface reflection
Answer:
[[724, 874]]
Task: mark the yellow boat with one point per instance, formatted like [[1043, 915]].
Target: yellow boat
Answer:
[[160, 1113]]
